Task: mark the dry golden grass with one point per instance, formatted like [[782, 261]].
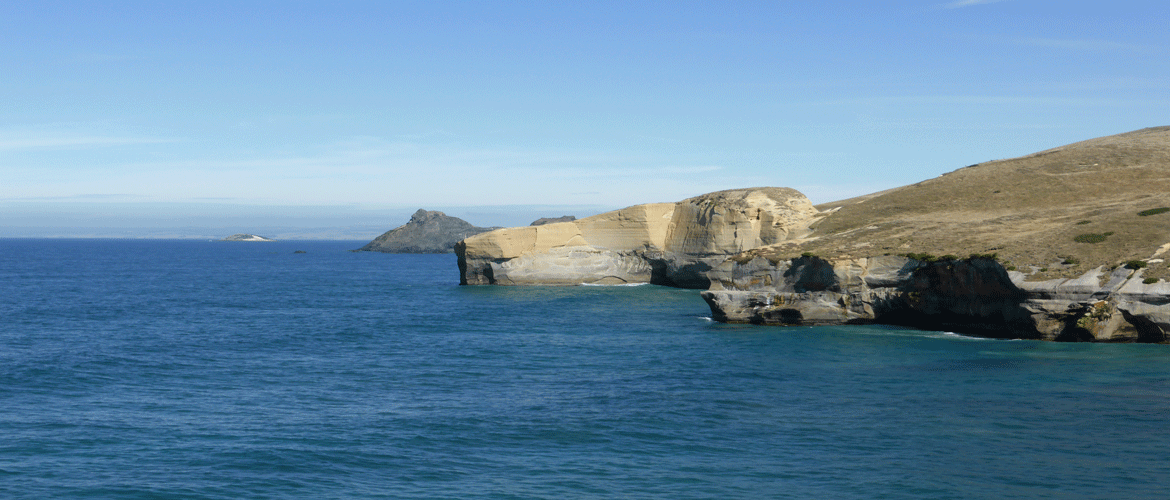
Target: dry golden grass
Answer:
[[1028, 210]]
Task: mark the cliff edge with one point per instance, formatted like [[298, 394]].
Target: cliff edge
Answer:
[[1064, 244], [671, 244]]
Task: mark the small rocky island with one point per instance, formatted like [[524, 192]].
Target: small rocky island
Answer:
[[246, 237], [1066, 244], [427, 231], [551, 220]]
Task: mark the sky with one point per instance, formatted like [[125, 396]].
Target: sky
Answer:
[[340, 119]]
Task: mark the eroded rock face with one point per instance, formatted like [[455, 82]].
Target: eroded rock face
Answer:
[[608, 248], [973, 296], [706, 229], [664, 243]]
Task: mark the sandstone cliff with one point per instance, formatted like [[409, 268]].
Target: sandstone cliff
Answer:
[[1067, 244], [663, 243], [1064, 244], [426, 232]]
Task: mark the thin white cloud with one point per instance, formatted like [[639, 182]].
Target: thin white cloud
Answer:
[[99, 57], [81, 197], [968, 3], [69, 136], [987, 99], [18, 143], [1080, 45], [371, 168]]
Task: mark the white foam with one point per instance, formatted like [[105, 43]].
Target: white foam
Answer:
[[619, 284]]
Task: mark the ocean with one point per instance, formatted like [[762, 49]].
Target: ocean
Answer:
[[174, 369]]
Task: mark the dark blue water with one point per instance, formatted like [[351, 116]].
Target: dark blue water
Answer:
[[182, 369]]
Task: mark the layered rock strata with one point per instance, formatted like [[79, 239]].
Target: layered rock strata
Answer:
[[663, 243], [973, 296]]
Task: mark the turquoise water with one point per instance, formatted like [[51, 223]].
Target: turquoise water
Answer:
[[191, 369]]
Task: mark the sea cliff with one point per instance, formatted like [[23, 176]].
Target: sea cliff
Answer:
[[1063, 244], [671, 244], [975, 295]]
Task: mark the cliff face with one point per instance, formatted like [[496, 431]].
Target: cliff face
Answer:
[[426, 232], [609, 248], [974, 296], [1066, 244], [663, 243]]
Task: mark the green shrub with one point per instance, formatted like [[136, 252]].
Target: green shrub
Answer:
[[922, 257], [1071, 261], [1136, 264], [1010, 268], [1150, 281], [1081, 223], [1043, 269], [1092, 237], [1154, 211], [988, 256], [808, 255]]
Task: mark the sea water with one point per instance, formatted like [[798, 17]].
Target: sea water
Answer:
[[223, 370]]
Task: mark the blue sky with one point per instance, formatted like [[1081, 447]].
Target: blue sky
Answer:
[[133, 114]]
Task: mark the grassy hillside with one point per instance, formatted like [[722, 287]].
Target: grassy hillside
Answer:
[[1033, 211]]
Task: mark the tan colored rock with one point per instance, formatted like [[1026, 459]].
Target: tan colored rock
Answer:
[[732, 221], [666, 243], [706, 229], [606, 248], [640, 227]]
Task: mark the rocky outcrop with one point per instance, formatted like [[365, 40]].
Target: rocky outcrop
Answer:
[[663, 243], [705, 230], [426, 232], [1062, 255], [246, 237], [610, 248], [973, 296], [552, 220], [1070, 245]]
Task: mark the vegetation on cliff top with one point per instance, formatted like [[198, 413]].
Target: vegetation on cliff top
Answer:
[[1056, 213]]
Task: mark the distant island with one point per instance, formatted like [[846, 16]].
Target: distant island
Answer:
[[427, 231], [1065, 244], [246, 237], [552, 220]]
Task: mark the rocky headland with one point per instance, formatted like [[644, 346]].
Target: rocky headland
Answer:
[[672, 244], [1064, 244], [427, 231]]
